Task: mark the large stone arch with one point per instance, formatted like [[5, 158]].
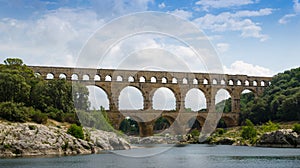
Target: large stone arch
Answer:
[[185, 96], [131, 92], [152, 94]]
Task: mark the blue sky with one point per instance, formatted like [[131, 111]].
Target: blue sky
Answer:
[[254, 37]]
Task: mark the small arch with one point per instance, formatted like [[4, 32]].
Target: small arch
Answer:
[[174, 80], [130, 79], [195, 81], [50, 76], [164, 80], [247, 83], [262, 83], [223, 82], [214, 82], [270, 83], [153, 79], [37, 75], [142, 79], [205, 82], [184, 81], [119, 78], [254, 83], [97, 78], [238, 82], [108, 78], [74, 77], [230, 82], [86, 77], [62, 76]]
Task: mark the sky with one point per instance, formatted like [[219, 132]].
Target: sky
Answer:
[[252, 37]]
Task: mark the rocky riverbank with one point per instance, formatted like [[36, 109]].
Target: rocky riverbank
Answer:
[[284, 138], [30, 139]]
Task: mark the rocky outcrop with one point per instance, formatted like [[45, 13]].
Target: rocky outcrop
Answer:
[[29, 139], [280, 138]]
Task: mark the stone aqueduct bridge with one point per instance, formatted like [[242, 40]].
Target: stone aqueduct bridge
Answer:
[[113, 81]]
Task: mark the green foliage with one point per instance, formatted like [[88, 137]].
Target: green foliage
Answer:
[[270, 126], [224, 106], [195, 133], [80, 97], [15, 112], [129, 127], [39, 117], [296, 128], [279, 102], [220, 131], [76, 131], [161, 124], [95, 119], [248, 132]]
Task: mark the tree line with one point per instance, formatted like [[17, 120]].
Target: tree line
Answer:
[[27, 97]]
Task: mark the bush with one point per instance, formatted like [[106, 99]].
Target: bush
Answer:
[[248, 131], [40, 118], [270, 126], [195, 133], [296, 128], [221, 131], [76, 131], [15, 112], [55, 113]]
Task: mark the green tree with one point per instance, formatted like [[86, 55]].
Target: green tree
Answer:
[[80, 96], [249, 132]]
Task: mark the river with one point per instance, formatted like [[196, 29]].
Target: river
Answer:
[[162, 156]]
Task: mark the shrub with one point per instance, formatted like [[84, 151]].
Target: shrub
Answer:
[[270, 126], [221, 131], [195, 133], [76, 131], [248, 131], [40, 118], [15, 112], [296, 128]]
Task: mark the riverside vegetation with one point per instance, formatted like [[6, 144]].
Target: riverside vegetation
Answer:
[[27, 101]]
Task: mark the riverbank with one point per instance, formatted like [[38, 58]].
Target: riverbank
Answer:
[[31, 139]]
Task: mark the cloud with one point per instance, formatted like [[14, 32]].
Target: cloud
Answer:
[[240, 67], [286, 18], [53, 39], [162, 5], [238, 21], [206, 4], [182, 13], [223, 47], [296, 6]]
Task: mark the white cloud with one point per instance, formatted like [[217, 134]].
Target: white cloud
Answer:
[[223, 47], [162, 5], [240, 67], [286, 18], [53, 39], [206, 4], [296, 6], [238, 21], [182, 13]]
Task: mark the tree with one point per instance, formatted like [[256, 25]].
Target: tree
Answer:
[[80, 96]]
